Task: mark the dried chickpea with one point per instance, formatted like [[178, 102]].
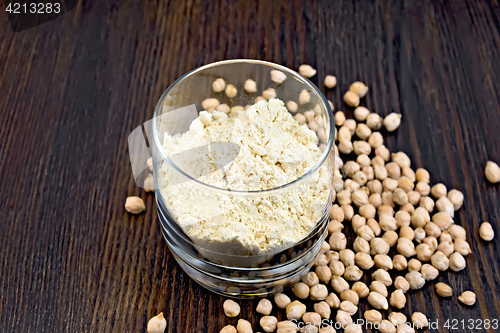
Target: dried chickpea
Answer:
[[278, 76], [431, 241], [415, 279], [292, 106], [353, 273], [264, 307], [419, 320], [134, 205], [429, 272], [374, 225], [446, 248], [295, 310], [383, 261], [414, 265], [361, 245], [335, 226], [268, 323], [399, 262], [406, 247], [281, 300], [323, 309], [348, 212], [348, 307], [227, 329], [333, 301], [361, 113], [364, 260], [339, 284], [231, 91], [307, 70], [374, 121], [457, 262], [359, 88], [337, 268], [486, 232], [432, 229], [375, 140], [330, 81], [324, 273], [361, 289], [337, 241], [244, 326], [492, 172], [379, 287], [363, 131], [391, 237], [373, 316], [157, 324], [250, 86], [467, 298], [350, 296], [231, 308], [318, 292], [382, 276], [286, 326], [443, 290], [351, 99], [398, 299], [301, 290], [386, 327], [345, 146], [424, 252], [311, 318], [378, 301], [343, 318], [392, 121], [310, 279], [461, 246], [304, 96], [401, 283], [219, 85]]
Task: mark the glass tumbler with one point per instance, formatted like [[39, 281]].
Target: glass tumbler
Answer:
[[227, 267]]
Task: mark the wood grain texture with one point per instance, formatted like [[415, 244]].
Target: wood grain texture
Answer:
[[72, 259]]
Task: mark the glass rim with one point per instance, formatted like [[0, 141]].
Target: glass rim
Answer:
[[269, 191]]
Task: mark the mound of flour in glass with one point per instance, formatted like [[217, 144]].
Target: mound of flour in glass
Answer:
[[274, 150]]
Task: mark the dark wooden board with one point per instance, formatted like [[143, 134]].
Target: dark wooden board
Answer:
[[72, 259]]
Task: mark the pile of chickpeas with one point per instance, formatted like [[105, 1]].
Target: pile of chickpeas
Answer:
[[403, 226]]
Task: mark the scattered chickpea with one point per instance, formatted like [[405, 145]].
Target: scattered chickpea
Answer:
[[392, 121], [244, 326], [286, 326], [414, 265], [310, 279], [379, 287], [281, 300], [292, 106], [149, 183], [401, 283], [443, 290], [134, 205], [429, 272], [398, 299], [295, 310], [231, 91], [415, 279], [278, 76], [231, 308], [387, 327], [399, 262], [157, 324], [343, 318], [318, 292], [374, 121], [323, 309], [301, 290], [312, 318], [250, 86], [353, 273], [330, 81], [219, 85], [270, 93], [419, 320], [307, 71], [264, 307], [486, 231], [268, 323], [378, 301], [457, 262], [228, 329], [324, 274], [351, 98], [359, 88], [492, 172], [467, 298], [382, 276], [373, 316], [339, 284], [333, 301], [348, 307]]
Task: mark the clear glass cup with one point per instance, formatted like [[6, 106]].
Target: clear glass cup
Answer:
[[227, 267]]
